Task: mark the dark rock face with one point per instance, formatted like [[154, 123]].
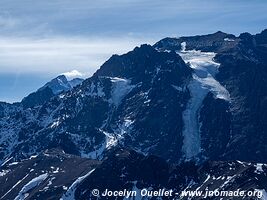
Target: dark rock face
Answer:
[[141, 65], [6, 109], [216, 125], [244, 73], [216, 42], [153, 107], [38, 97]]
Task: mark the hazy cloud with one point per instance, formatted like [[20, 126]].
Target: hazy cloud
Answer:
[[57, 55]]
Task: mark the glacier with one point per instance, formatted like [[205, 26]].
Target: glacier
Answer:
[[203, 81]]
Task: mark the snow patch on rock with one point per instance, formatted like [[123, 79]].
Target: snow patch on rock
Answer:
[[120, 88], [70, 194], [32, 184], [228, 40], [4, 172], [259, 169]]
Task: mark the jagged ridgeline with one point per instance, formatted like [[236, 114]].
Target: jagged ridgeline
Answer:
[[182, 104]]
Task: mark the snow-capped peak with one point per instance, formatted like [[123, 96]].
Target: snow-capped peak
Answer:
[[61, 83]]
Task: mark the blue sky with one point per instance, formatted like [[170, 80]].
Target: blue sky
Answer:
[[41, 39]]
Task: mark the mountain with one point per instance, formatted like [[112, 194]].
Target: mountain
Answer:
[[216, 42], [50, 89], [196, 104], [113, 107], [56, 175], [61, 83], [234, 129]]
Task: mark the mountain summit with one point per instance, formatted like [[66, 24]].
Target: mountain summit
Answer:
[[50, 89], [61, 83]]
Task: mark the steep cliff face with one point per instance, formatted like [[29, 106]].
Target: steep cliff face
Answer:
[[243, 71]]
